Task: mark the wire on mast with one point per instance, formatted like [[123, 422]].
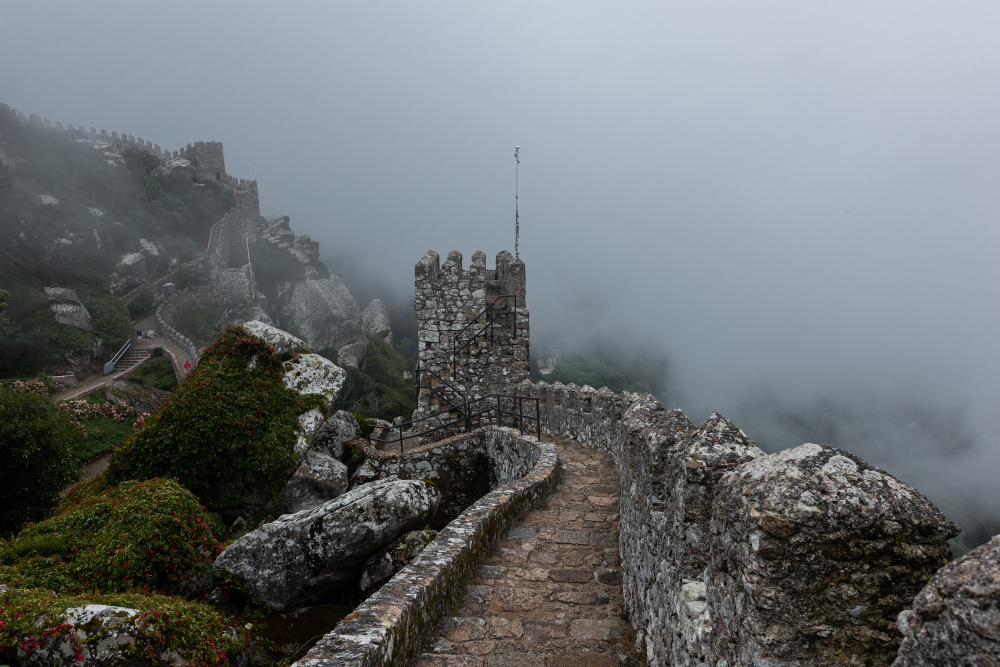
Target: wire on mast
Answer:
[[517, 214]]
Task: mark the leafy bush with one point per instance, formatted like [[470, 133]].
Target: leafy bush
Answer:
[[37, 440], [148, 535], [379, 390], [157, 372], [229, 428], [198, 324]]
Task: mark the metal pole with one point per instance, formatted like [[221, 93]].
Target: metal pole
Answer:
[[400, 438], [520, 414], [517, 213], [253, 292]]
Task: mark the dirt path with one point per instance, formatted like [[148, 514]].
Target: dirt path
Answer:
[[550, 595]]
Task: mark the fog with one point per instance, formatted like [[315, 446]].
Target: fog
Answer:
[[795, 204]]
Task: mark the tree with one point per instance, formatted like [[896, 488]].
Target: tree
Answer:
[[37, 439], [4, 320]]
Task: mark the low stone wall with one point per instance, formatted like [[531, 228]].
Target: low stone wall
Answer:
[[733, 557], [192, 297], [393, 623]]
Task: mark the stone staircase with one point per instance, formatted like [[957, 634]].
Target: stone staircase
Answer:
[[214, 238], [132, 358]]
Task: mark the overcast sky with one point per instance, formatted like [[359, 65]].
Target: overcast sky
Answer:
[[801, 196]]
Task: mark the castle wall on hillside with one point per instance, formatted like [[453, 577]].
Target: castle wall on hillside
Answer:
[[731, 556], [448, 301]]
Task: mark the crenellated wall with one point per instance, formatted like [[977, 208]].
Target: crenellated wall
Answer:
[[731, 556], [448, 298]]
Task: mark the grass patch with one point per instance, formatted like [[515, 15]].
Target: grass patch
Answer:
[[157, 372]]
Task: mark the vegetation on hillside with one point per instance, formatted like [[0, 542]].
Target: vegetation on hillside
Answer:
[[599, 367], [106, 203], [232, 420], [37, 441], [380, 390], [157, 372]]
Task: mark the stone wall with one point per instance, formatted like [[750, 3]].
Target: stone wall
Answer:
[[393, 623], [447, 299], [231, 291], [734, 557]]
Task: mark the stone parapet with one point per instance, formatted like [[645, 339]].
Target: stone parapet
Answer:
[[734, 557], [393, 623]]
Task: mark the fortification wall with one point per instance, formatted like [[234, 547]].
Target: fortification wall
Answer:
[[731, 556], [393, 623], [448, 299], [232, 289]]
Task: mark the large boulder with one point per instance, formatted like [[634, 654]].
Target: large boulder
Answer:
[[375, 320], [130, 272], [306, 556], [318, 478], [391, 559], [313, 374], [322, 312], [955, 619], [68, 309], [156, 263], [814, 553], [176, 166], [139, 396], [281, 341], [334, 432]]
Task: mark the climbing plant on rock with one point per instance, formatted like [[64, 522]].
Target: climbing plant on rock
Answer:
[[227, 432]]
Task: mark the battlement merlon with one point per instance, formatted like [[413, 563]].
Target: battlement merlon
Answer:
[[507, 278]]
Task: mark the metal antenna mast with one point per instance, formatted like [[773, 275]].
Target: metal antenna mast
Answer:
[[517, 214], [253, 292]]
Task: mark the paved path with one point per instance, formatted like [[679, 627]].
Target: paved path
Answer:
[[550, 595]]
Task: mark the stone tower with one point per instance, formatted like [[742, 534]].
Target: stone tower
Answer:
[[208, 160], [472, 329]]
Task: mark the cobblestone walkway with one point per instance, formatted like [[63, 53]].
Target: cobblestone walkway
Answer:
[[550, 595]]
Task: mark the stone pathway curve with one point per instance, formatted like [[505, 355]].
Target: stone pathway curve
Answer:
[[550, 595]]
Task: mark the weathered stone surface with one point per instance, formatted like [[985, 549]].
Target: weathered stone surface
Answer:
[[47, 200], [282, 341], [68, 309], [955, 619], [305, 556], [313, 374], [323, 313], [334, 432], [176, 166], [140, 397], [815, 553], [317, 479], [391, 559], [156, 263], [105, 635], [375, 320]]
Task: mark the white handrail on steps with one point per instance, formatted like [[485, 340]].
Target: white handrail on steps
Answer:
[[109, 367]]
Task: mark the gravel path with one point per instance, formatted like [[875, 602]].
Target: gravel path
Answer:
[[550, 595]]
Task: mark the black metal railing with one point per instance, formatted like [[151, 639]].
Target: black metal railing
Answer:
[[488, 318], [491, 407], [455, 402]]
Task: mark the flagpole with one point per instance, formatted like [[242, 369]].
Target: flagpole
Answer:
[[517, 214]]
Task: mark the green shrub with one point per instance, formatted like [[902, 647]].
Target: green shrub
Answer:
[[37, 439], [198, 324], [379, 390], [229, 428], [157, 372]]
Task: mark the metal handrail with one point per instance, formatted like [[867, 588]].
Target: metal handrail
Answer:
[[434, 390], [109, 367], [466, 420]]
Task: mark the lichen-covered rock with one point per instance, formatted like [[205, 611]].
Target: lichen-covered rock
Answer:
[[391, 559], [179, 166], [334, 432], [323, 313], [68, 309], [318, 478], [302, 557], [814, 554], [282, 341], [114, 629], [130, 272], [313, 374], [375, 320], [140, 397], [955, 619]]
